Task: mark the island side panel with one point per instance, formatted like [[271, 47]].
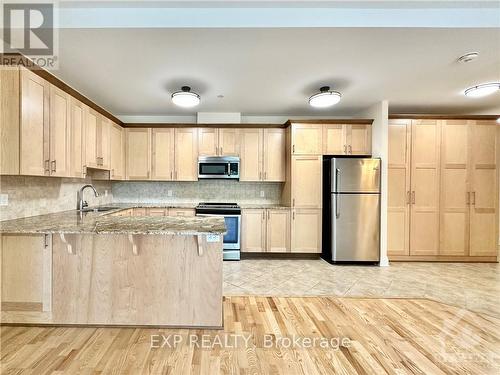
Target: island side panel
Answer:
[[100, 280]]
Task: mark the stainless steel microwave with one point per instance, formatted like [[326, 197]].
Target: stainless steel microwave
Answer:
[[219, 167]]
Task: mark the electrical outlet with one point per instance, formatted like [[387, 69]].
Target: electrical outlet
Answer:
[[169, 193], [4, 199], [262, 194], [105, 193]]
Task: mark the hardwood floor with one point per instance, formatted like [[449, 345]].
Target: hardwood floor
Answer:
[[393, 336]]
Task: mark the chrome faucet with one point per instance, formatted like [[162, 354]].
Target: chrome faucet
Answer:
[[80, 203]]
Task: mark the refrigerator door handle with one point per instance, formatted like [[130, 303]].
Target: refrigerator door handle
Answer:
[[337, 179], [337, 206]]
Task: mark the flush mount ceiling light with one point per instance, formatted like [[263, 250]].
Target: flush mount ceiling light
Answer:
[[185, 98], [468, 57], [482, 90], [498, 120], [324, 98]]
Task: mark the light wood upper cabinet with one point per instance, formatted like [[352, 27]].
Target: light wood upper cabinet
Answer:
[[162, 154], [137, 141], [252, 148], [278, 231], [91, 124], [186, 154], [218, 142], [398, 206], [117, 154], [104, 142], [229, 142], [307, 139], [77, 135], [10, 109], [425, 166], [34, 132], [339, 139], [59, 132], [306, 231], [208, 141], [484, 189], [274, 157], [455, 187], [253, 230], [307, 181]]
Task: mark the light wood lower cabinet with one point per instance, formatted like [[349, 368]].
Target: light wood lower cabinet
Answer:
[[183, 212], [306, 230], [265, 230], [26, 274], [437, 171], [306, 181]]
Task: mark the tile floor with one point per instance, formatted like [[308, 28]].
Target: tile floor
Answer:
[[475, 286]]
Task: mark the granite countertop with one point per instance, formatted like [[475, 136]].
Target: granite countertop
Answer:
[[264, 205], [103, 223]]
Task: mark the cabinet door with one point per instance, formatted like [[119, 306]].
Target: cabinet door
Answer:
[[162, 154], [186, 154], [59, 132], [251, 154], [424, 230], [398, 206], [181, 212], [137, 153], [104, 142], [278, 231], [334, 139], [229, 142], [34, 137], [274, 155], [253, 230], [157, 211], [306, 181], [92, 119], [306, 231], [307, 139], [208, 141], [359, 139], [484, 192], [117, 156], [454, 186], [76, 133]]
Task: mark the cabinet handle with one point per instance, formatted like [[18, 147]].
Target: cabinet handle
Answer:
[[53, 163], [345, 149], [350, 149], [263, 215], [413, 197], [473, 198], [293, 215], [293, 149], [47, 165], [268, 215], [220, 151], [171, 175], [112, 172], [408, 198], [293, 202], [265, 175], [260, 176], [467, 199]]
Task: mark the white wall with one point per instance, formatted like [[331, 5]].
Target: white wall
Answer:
[[380, 148]]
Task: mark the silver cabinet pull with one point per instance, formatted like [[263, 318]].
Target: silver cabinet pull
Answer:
[[467, 198], [350, 149], [345, 149], [220, 151], [47, 165], [473, 198], [171, 175], [413, 198], [293, 149], [263, 215], [265, 175], [293, 202], [268, 215], [260, 176], [293, 215], [408, 197], [53, 164]]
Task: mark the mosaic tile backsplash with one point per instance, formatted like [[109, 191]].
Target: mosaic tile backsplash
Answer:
[[30, 196], [197, 191]]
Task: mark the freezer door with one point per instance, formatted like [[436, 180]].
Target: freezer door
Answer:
[[355, 175], [355, 227]]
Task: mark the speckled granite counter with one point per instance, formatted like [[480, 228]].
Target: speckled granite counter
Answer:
[[104, 223], [264, 206]]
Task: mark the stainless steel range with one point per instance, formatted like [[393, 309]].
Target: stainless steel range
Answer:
[[232, 215]]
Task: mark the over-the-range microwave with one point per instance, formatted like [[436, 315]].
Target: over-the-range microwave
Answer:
[[219, 167]]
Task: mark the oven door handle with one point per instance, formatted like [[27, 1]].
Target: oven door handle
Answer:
[[223, 215]]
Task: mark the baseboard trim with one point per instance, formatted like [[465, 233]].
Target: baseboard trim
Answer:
[[280, 255], [437, 258]]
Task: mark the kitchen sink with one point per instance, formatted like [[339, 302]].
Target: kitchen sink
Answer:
[[99, 209]]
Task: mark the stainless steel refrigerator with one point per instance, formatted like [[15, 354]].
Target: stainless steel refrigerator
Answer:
[[352, 214]]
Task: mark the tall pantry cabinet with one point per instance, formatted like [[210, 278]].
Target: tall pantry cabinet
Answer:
[[443, 190]]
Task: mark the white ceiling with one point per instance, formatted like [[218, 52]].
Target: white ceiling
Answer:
[[273, 71]]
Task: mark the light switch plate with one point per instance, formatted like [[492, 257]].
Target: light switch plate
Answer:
[[262, 194], [4, 199], [169, 193]]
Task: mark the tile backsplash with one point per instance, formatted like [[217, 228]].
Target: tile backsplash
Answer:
[[197, 191], [30, 196]]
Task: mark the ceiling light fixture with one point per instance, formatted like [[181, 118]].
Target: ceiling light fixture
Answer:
[[468, 57], [498, 120], [482, 90], [185, 98], [324, 98]]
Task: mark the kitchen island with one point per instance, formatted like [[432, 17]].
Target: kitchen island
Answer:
[[105, 269]]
